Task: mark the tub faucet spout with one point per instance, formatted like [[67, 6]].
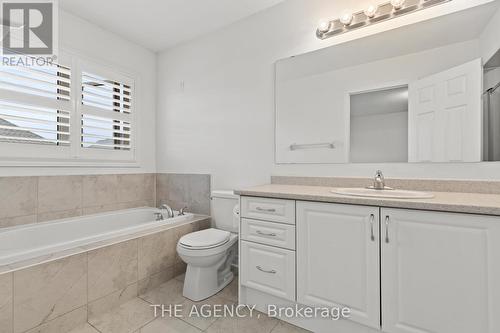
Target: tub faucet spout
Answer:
[[168, 209]]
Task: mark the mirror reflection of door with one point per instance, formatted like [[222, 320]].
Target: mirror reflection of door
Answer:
[[445, 118], [491, 109]]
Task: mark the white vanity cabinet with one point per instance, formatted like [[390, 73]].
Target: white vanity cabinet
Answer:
[[440, 272], [398, 270], [338, 258], [267, 246]]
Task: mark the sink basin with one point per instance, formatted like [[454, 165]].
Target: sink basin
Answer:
[[387, 193]]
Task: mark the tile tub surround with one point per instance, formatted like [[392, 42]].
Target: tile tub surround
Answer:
[[432, 185], [26, 200], [62, 294], [457, 202], [184, 190]]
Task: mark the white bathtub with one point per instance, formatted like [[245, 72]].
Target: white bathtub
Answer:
[[33, 240]]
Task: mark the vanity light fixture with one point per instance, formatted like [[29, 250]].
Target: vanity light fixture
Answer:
[[324, 25], [397, 4], [346, 18], [372, 14], [370, 11]]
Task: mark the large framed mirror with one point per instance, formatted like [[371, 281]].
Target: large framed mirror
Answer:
[[425, 92]]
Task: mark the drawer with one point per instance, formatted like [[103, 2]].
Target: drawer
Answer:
[[268, 269], [270, 233], [276, 210]]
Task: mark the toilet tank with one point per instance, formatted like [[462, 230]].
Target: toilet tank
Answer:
[[225, 210]]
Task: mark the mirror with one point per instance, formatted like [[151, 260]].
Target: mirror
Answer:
[[425, 92]]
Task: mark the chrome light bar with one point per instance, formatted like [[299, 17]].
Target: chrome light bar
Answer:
[[374, 14]]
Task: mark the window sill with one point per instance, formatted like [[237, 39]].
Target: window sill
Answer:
[[68, 163]]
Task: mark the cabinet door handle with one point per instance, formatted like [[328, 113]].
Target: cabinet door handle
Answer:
[[387, 229], [265, 234], [372, 221], [266, 271], [269, 210]]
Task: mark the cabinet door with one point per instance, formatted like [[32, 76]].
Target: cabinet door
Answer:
[[338, 258], [440, 272], [268, 269]]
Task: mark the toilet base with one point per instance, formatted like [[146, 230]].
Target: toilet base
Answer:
[[202, 282], [195, 293]]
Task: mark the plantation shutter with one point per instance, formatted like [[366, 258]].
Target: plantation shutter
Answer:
[[106, 112], [35, 105]]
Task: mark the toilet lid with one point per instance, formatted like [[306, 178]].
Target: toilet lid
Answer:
[[205, 239]]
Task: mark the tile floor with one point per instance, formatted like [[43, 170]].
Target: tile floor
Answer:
[[136, 316]]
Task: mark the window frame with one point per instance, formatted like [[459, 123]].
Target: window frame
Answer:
[[18, 154], [103, 154]]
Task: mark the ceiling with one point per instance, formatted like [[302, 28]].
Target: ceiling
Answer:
[[160, 24], [379, 102]]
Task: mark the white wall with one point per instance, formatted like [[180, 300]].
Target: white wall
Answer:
[[379, 137], [101, 46], [490, 43], [216, 98]]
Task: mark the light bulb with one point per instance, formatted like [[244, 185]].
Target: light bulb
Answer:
[[397, 4], [346, 18], [324, 25], [371, 10]]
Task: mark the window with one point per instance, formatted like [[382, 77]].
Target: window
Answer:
[[34, 105], [106, 113], [83, 112]]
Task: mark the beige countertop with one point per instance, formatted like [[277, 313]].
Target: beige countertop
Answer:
[[473, 203]]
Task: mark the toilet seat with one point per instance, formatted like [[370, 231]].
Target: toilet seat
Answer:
[[205, 239]]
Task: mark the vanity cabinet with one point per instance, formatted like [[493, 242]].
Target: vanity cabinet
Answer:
[[267, 246], [338, 258], [440, 272], [398, 270]]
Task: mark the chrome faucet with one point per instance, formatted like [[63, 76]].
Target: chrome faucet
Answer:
[[182, 211], [379, 181], [165, 207]]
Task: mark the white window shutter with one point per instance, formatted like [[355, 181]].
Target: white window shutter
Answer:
[[107, 113], [35, 105]]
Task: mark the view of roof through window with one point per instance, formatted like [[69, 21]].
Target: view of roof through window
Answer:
[[105, 98], [29, 122]]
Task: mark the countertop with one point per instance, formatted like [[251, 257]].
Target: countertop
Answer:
[[472, 203]]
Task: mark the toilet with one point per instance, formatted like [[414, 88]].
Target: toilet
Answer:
[[210, 253]]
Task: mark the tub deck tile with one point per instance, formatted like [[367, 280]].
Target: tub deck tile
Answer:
[[45, 292], [6, 303], [156, 253], [111, 269]]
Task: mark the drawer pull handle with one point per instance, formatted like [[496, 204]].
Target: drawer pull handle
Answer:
[[265, 234], [269, 210], [387, 229], [265, 271], [372, 221]]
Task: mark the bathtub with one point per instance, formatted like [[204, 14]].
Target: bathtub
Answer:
[[38, 239]]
